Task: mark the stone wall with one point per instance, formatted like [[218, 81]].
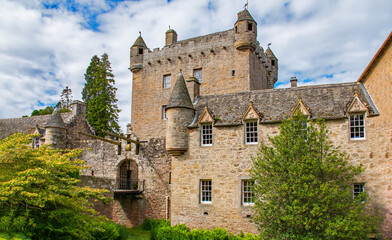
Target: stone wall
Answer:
[[152, 166], [229, 160], [224, 70]]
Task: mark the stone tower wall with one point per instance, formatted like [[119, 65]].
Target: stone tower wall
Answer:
[[224, 68]]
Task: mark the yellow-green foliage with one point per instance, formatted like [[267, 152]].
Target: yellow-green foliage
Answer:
[[39, 195]]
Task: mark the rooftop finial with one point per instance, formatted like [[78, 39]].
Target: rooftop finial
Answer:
[[169, 27], [269, 44], [140, 33], [246, 5]]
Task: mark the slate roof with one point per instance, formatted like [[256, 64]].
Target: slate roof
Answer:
[[273, 105], [10, 126], [244, 15], [180, 95], [55, 120], [140, 42]]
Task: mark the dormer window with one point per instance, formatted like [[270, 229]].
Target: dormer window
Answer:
[[206, 134], [251, 132], [357, 126], [36, 142]]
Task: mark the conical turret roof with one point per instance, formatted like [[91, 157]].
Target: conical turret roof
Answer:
[[55, 120], [244, 15], [269, 53], [139, 42], [179, 97]]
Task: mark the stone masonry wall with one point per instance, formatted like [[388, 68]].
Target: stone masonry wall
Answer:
[[153, 168], [229, 159], [214, 54]]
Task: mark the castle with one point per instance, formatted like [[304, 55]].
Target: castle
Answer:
[[201, 107]]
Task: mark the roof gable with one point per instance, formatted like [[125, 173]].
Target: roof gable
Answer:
[[206, 116], [250, 113], [356, 105], [300, 106]]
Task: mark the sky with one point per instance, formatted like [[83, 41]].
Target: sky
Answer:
[[46, 45]]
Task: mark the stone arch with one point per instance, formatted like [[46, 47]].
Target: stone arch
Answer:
[[127, 175]]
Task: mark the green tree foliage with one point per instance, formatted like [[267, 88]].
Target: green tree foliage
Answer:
[[303, 187], [99, 95], [48, 110], [39, 196], [65, 98]]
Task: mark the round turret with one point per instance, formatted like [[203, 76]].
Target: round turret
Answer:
[[55, 131], [179, 114], [137, 51], [245, 31]]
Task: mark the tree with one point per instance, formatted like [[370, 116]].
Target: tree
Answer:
[[99, 95], [303, 187], [65, 98], [39, 195]]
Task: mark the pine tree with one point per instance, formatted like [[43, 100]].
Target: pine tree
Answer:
[[66, 98], [99, 95], [304, 187]]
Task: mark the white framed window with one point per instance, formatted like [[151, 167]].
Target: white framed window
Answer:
[[163, 112], [247, 192], [206, 134], [357, 126], [303, 128], [205, 191], [167, 81], [251, 132], [358, 188], [36, 142], [198, 74]]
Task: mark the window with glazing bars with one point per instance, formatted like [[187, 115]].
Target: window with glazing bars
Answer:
[[357, 126], [205, 191], [247, 192], [198, 74], [206, 134], [251, 132], [358, 188], [167, 81]]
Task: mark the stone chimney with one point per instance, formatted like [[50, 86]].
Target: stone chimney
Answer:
[[171, 37], [293, 81], [193, 86]]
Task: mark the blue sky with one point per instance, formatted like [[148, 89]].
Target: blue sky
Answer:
[[47, 45]]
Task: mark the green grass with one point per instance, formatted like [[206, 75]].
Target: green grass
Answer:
[[138, 233]]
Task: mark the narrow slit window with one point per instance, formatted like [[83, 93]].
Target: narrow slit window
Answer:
[[250, 27], [164, 112]]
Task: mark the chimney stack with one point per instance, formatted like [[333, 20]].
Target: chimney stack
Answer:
[[293, 81]]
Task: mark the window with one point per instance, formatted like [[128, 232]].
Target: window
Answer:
[[205, 191], [251, 132], [250, 26], [303, 128], [140, 50], [36, 142], [232, 73], [247, 192], [236, 29], [272, 62], [197, 73], [357, 127], [167, 81], [164, 112], [206, 134], [358, 188]]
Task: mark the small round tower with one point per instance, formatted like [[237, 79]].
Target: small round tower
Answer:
[[137, 51], [179, 114], [245, 31], [55, 131]]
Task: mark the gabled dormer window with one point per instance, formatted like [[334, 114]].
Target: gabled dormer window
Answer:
[[357, 126], [251, 136], [206, 134]]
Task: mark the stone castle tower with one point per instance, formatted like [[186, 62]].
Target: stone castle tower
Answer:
[[231, 61]]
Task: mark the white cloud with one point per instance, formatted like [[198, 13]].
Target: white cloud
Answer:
[[43, 50]]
